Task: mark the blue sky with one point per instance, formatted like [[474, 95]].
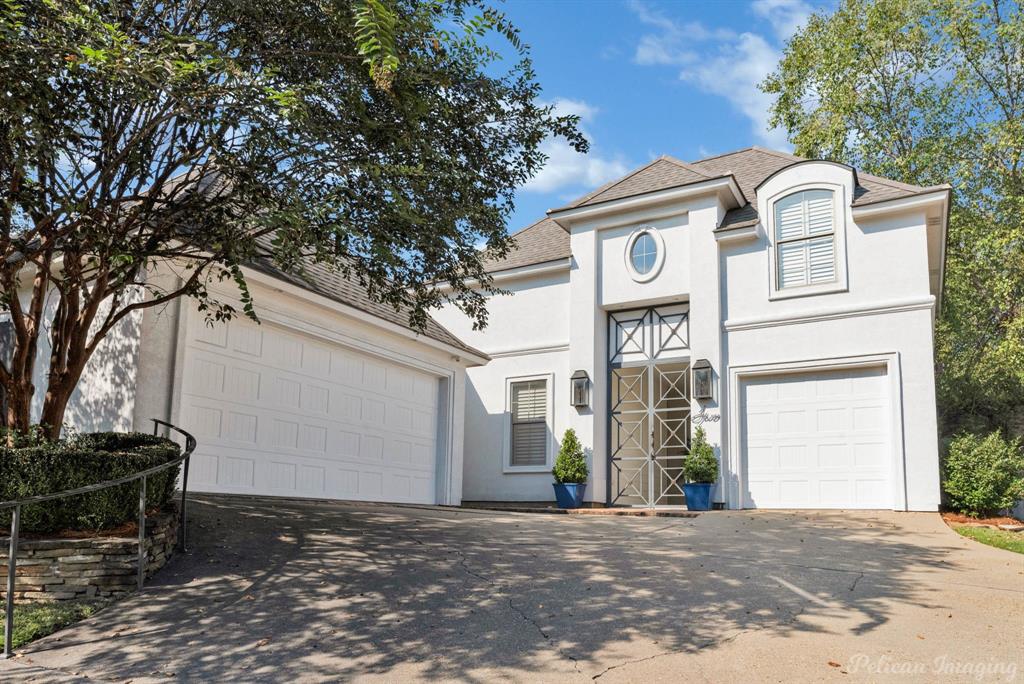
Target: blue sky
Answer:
[[650, 78]]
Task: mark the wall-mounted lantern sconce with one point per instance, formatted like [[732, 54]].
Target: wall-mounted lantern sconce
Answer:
[[580, 389], [703, 380]]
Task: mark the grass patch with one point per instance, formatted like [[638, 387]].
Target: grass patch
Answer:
[[1001, 539], [35, 620]]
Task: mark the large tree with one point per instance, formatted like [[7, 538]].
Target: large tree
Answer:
[[932, 91], [383, 137]]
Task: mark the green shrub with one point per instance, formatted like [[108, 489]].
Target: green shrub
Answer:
[[700, 465], [571, 464], [82, 460], [983, 476]]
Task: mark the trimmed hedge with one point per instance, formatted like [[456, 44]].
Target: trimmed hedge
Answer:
[[84, 460]]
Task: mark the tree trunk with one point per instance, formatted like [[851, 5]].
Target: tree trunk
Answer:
[[52, 418], [55, 403], [18, 420]]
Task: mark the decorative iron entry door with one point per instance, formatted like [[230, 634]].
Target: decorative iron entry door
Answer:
[[649, 373]]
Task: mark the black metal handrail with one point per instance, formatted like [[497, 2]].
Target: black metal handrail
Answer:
[[12, 556]]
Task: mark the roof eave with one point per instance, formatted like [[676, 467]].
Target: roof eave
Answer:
[[257, 274], [938, 198], [725, 186], [803, 162], [515, 272], [742, 231]]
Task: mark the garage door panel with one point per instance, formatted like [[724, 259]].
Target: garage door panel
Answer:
[[873, 493], [817, 440], [794, 493], [236, 471], [297, 394], [835, 456], [835, 490], [793, 421], [247, 339], [833, 420], [278, 413], [368, 412], [793, 456]]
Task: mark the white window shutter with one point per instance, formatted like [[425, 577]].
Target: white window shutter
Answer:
[[792, 264], [821, 261], [805, 236], [789, 217], [529, 423], [818, 205]]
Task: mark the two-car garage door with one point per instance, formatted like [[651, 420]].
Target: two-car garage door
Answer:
[[278, 412], [817, 440]]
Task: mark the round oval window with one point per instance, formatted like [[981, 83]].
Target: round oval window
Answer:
[[644, 253]]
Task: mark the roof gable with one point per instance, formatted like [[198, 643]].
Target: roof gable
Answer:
[[664, 172]]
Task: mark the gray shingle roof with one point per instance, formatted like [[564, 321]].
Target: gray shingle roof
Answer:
[[329, 283], [542, 241], [546, 241], [752, 165], [664, 172]]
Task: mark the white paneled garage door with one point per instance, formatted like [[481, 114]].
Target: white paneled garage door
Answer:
[[277, 412], [817, 440]]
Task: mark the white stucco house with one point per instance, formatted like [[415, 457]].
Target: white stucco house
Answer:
[[786, 305]]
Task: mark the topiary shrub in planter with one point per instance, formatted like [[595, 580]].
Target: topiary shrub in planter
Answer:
[[700, 470], [570, 472], [983, 475], [50, 467]]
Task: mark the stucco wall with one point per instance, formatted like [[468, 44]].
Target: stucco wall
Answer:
[[487, 425], [616, 285], [527, 334], [533, 315], [105, 396]]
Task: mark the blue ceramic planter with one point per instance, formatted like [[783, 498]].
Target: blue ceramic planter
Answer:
[[698, 495], [569, 495]]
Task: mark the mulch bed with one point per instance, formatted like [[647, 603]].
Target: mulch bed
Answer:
[[960, 519], [128, 529]]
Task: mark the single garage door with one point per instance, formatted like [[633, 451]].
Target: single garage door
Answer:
[[817, 440], [278, 412]]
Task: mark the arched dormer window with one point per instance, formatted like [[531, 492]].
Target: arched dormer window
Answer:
[[805, 239]]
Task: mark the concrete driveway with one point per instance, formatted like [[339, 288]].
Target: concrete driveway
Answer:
[[282, 590]]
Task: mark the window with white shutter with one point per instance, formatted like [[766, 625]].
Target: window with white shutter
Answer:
[[805, 238], [529, 408]]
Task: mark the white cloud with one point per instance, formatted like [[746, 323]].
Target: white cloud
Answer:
[[565, 166], [785, 16], [667, 45], [564, 106], [654, 49], [692, 30], [722, 62], [734, 74]]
